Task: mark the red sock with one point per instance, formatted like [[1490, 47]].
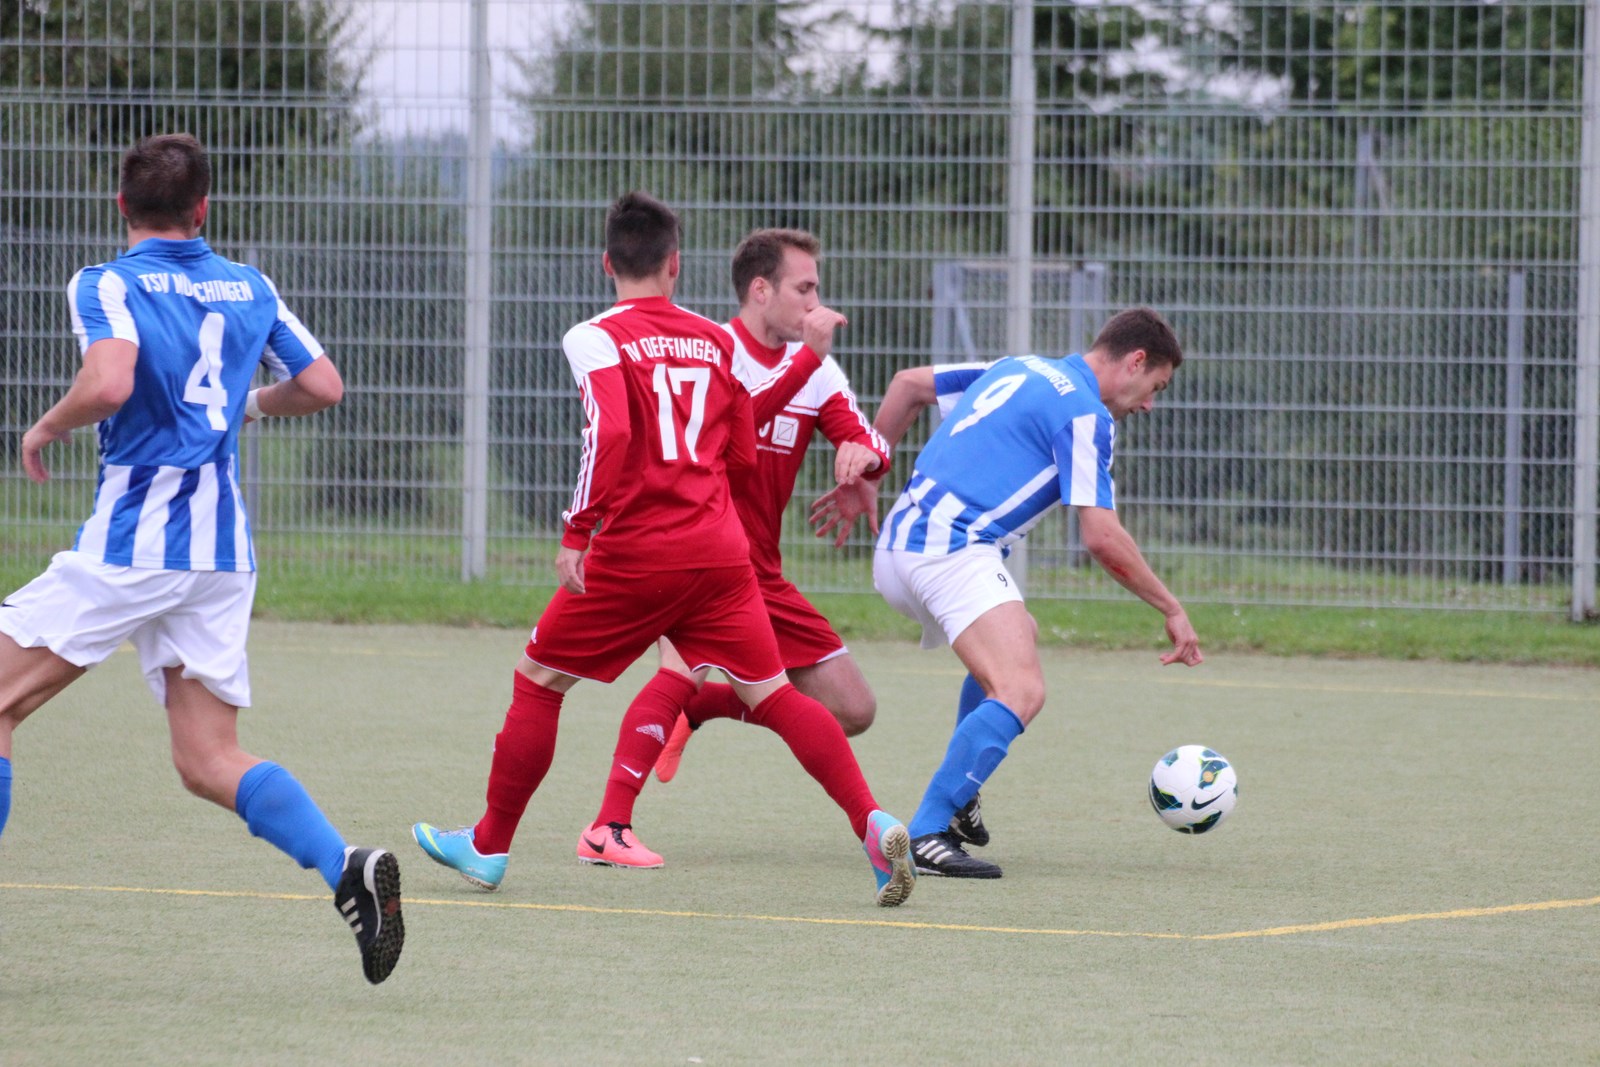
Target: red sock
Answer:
[[522, 752], [714, 701], [818, 742], [645, 726]]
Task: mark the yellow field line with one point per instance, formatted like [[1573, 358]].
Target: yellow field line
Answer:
[[1274, 931], [1390, 920]]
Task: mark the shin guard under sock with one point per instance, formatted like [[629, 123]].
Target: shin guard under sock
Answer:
[[523, 750], [643, 733], [818, 742], [278, 810], [976, 748]]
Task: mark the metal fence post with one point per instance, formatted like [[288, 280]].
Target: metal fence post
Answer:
[[1586, 391], [1019, 210], [478, 297], [1511, 532]]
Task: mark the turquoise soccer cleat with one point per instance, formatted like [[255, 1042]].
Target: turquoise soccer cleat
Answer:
[[454, 849], [888, 847]]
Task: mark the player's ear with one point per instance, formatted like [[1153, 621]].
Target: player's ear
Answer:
[[122, 204], [674, 264], [200, 210], [605, 261]]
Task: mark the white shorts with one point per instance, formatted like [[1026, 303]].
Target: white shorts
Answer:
[[83, 610], [946, 594]]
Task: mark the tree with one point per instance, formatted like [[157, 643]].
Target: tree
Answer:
[[263, 83]]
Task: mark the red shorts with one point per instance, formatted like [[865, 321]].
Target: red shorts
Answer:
[[714, 617], [805, 638]]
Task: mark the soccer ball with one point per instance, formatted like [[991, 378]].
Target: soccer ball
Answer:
[[1193, 788]]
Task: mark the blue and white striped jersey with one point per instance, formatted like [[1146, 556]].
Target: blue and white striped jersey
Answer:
[[168, 493], [1020, 435]]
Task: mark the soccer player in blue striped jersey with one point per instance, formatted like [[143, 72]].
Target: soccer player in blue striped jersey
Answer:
[[1019, 436], [172, 335]]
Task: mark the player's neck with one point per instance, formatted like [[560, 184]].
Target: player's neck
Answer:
[[758, 330], [661, 283], [139, 233]]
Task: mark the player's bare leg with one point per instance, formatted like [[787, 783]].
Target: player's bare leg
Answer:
[[1000, 649], [838, 685], [276, 808], [28, 678]]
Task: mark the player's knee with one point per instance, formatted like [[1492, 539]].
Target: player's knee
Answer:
[[192, 775], [1024, 696], [204, 777], [856, 715]]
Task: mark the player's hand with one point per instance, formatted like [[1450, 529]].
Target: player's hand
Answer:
[[33, 445], [1185, 642], [816, 329], [852, 460], [569, 569], [839, 507]]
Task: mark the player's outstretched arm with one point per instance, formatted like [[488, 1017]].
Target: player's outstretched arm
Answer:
[[316, 387], [909, 392], [102, 386], [1114, 549], [836, 511]]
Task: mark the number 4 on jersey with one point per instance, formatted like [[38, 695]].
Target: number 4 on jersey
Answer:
[[204, 386], [668, 382]]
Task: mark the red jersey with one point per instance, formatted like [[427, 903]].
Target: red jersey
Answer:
[[787, 418], [667, 423]]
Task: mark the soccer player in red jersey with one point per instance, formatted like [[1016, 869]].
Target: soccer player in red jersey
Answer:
[[653, 548], [781, 337]]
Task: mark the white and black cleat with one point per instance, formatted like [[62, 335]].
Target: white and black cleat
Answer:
[[941, 855], [368, 898], [967, 824]]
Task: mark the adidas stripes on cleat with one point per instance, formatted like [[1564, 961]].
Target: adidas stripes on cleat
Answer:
[[368, 898], [967, 824], [942, 855]]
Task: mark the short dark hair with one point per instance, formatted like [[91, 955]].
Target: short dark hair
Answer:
[[163, 178], [760, 255], [641, 232], [1136, 328]]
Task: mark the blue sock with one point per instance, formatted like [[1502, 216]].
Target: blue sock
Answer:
[[972, 695], [976, 749], [5, 792], [278, 809]]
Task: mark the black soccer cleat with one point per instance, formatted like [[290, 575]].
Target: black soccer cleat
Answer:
[[942, 855], [368, 898], [967, 824]]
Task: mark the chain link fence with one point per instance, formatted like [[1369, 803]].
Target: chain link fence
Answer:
[[1368, 223]]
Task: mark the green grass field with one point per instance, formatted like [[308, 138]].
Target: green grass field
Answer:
[[1410, 876]]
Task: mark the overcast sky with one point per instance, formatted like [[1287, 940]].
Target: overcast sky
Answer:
[[418, 75]]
